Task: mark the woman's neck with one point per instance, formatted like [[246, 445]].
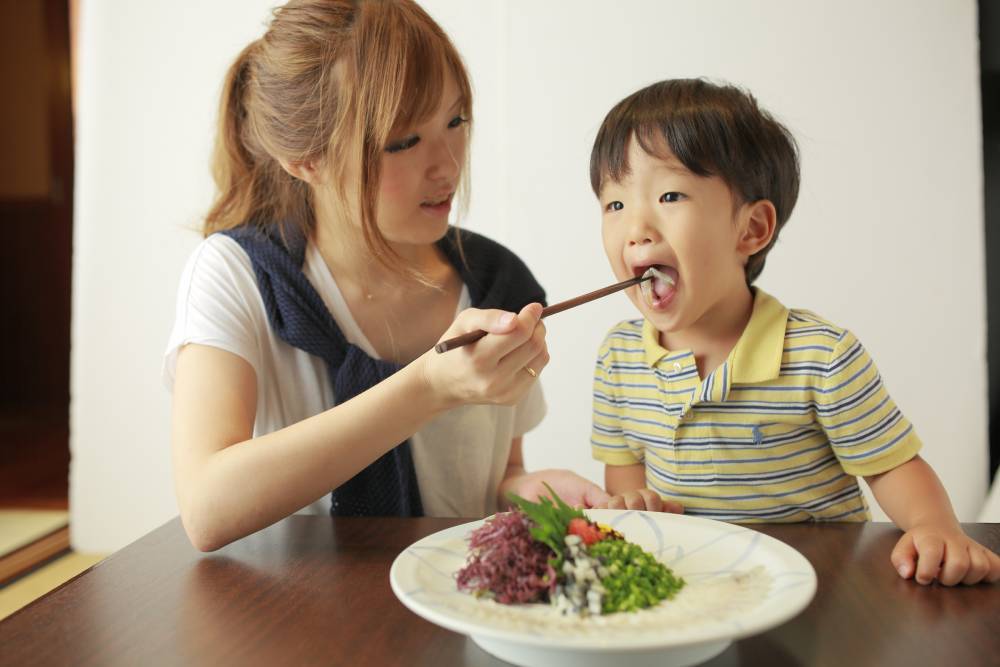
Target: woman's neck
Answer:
[[401, 317]]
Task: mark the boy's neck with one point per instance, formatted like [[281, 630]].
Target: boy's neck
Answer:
[[715, 334]]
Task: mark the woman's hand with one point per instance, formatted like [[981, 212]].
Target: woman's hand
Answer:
[[494, 369], [929, 552], [575, 490]]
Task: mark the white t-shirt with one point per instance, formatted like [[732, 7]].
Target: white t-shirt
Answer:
[[460, 456]]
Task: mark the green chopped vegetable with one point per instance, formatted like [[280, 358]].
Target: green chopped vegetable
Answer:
[[636, 580]]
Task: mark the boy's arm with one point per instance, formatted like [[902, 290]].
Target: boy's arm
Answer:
[[620, 479], [627, 486], [933, 545]]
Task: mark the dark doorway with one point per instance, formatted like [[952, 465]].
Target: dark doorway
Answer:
[[989, 55], [36, 210]]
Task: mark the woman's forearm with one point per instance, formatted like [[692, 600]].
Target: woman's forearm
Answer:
[[244, 487]]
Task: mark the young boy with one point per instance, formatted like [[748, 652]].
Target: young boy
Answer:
[[721, 402]]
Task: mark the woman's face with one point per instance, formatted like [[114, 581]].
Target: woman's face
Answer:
[[421, 169]]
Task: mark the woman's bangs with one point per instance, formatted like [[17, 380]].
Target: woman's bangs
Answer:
[[429, 61]]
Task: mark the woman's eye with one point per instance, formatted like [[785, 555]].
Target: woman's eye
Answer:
[[614, 206], [456, 121], [670, 197], [403, 144]]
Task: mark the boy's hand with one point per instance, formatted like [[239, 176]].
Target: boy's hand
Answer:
[[928, 552], [642, 499]]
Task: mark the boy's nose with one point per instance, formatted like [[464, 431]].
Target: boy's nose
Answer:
[[640, 231]]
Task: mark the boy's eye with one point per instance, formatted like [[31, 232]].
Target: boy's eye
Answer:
[[670, 197], [614, 206], [456, 121], [403, 144]]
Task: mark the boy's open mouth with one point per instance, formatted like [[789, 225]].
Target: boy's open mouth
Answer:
[[661, 289]]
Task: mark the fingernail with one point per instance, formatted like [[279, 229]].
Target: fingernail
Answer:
[[902, 571], [505, 319]]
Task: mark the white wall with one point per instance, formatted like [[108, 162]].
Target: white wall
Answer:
[[887, 237]]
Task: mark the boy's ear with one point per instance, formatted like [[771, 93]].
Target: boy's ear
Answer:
[[307, 171], [761, 218]]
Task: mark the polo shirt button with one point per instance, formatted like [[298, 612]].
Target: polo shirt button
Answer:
[[677, 367]]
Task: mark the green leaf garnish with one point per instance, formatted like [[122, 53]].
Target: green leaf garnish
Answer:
[[551, 517]]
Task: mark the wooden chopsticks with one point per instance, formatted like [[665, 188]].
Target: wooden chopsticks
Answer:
[[473, 336]]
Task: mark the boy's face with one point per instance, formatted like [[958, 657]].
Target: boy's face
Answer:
[[662, 215]]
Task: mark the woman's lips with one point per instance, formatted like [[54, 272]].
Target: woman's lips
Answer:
[[659, 291], [439, 206]]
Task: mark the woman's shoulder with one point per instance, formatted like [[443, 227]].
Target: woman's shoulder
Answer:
[[220, 270], [219, 250]]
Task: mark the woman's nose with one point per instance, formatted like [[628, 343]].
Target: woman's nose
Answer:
[[445, 162]]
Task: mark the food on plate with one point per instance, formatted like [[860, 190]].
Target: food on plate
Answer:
[[547, 551]]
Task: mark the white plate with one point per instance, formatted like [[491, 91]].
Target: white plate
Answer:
[[738, 582]]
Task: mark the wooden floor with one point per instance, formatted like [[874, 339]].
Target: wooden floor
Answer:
[[48, 577], [34, 504]]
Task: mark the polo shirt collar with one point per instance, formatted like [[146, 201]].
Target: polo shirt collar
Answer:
[[757, 354]]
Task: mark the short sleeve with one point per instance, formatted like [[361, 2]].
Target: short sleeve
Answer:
[[607, 437], [217, 305], [866, 429]]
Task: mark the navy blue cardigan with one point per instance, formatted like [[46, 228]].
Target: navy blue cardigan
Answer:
[[495, 277]]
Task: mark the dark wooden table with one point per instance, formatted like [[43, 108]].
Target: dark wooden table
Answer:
[[314, 590]]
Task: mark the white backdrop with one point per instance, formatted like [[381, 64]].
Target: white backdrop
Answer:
[[887, 237]]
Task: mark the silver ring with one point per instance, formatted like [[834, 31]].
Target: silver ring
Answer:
[[531, 371]]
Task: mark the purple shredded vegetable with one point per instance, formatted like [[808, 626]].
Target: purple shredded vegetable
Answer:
[[506, 561]]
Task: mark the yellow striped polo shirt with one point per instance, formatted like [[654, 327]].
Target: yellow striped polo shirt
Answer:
[[776, 433]]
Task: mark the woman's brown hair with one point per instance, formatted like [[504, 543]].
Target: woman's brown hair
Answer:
[[327, 83], [714, 130]]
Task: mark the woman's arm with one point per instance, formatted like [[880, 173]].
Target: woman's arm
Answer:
[[933, 545], [229, 485]]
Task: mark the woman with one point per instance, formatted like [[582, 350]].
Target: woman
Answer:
[[301, 359]]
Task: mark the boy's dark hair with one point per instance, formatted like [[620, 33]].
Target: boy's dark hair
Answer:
[[714, 130]]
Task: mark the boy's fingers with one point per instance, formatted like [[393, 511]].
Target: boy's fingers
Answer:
[[673, 507], [616, 503], [979, 566], [993, 576], [595, 496], [652, 499], [930, 553], [904, 556], [634, 501], [957, 561]]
